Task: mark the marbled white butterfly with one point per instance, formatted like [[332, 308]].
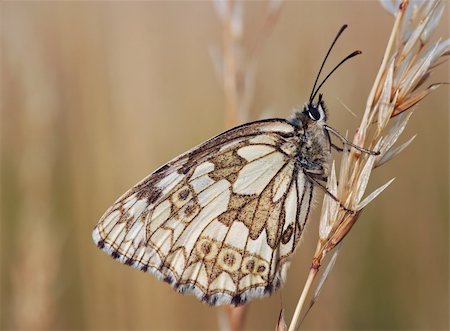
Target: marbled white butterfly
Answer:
[[222, 220]]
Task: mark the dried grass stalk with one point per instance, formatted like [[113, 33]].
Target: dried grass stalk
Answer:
[[409, 59], [236, 68]]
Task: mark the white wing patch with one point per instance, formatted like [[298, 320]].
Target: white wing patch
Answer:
[[202, 169], [253, 152], [212, 192], [160, 214], [236, 232], [282, 182], [168, 183], [282, 127], [264, 139], [220, 221], [199, 184], [255, 176]]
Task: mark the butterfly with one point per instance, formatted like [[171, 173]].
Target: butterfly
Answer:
[[222, 220]]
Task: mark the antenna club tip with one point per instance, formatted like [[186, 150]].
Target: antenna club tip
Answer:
[[355, 53], [342, 28]]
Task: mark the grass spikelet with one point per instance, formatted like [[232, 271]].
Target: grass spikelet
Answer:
[[408, 62]]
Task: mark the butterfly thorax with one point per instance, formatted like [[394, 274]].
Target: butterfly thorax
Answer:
[[314, 154]]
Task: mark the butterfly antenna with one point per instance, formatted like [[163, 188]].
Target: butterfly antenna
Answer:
[[311, 97], [348, 57]]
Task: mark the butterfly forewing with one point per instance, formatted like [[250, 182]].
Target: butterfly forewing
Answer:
[[219, 221]]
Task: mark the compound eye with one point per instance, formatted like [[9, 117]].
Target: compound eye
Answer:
[[314, 113]]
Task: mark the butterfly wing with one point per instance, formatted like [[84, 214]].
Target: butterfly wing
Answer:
[[219, 221]]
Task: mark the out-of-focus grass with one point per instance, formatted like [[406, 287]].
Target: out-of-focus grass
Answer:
[[97, 95]]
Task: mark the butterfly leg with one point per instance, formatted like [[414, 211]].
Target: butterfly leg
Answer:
[[345, 141], [322, 186], [339, 149]]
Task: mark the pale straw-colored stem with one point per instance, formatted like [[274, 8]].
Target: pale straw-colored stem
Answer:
[[235, 315], [394, 87], [301, 301], [230, 71], [367, 114]]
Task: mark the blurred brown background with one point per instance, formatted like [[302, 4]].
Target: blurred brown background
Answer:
[[95, 95]]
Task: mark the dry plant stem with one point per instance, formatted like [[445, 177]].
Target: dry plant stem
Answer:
[[230, 71], [361, 134], [356, 167], [267, 28], [407, 63], [236, 315], [235, 75], [391, 41], [311, 276]]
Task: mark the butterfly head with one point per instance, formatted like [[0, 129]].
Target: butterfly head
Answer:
[[315, 112]]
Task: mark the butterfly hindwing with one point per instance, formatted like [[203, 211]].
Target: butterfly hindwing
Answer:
[[219, 221]]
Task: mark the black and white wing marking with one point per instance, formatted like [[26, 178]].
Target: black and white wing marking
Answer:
[[219, 221]]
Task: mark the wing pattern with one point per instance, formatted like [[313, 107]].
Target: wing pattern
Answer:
[[219, 221]]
